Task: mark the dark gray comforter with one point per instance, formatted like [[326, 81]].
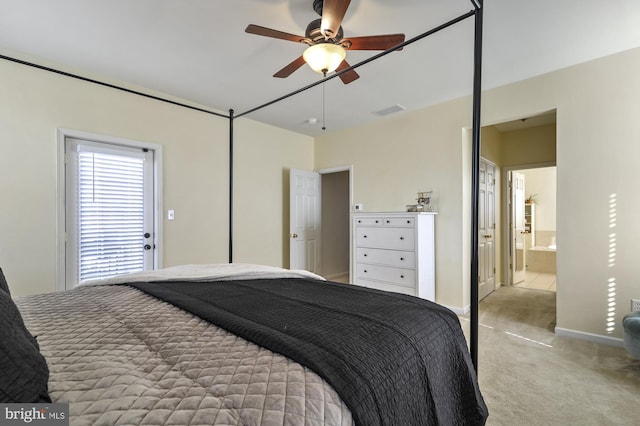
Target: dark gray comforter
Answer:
[[119, 356], [393, 359]]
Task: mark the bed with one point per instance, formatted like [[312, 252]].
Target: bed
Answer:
[[238, 344]]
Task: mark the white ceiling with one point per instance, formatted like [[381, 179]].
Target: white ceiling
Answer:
[[197, 50]]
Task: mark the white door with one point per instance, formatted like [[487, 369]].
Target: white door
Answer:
[[518, 246], [486, 230], [304, 217], [109, 209]]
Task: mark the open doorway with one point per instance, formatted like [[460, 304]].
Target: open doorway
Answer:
[[517, 148], [532, 231], [335, 214], [319, 221], [522, 146]]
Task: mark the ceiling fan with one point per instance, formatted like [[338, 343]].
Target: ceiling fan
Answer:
[[327, 45]]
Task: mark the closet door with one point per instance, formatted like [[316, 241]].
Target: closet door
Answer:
[[486, 230]]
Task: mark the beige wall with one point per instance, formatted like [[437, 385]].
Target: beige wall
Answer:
[[542, 183], [35, 103], [396, 157], [533, 145], [263, 156], [597, 155], [492, 145]]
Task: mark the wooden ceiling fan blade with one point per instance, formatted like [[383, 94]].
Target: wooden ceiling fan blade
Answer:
[[333, 12], [348, 76], [268, 32], [377, 42], [291, 68]]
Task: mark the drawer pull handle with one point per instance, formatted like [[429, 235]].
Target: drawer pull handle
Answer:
[[377, 221], [364, 236], [359, 221], [365, 255], [388, 221], [401, 276], [402, 258], [402, 238], [408, 221], [365, 271]]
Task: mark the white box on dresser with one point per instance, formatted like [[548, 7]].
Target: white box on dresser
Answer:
[[395, 252]]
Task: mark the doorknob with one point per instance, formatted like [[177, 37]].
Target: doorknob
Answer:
[[293, 235]]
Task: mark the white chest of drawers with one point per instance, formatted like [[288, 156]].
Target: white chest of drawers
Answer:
[[395, 252]]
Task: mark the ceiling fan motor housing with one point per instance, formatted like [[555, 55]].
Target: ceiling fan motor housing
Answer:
[[329, 41], [314, 33]]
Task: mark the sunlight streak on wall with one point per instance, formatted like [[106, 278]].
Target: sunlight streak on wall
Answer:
[[611, 284]]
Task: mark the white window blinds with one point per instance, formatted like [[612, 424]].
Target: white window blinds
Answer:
[[108, 231]]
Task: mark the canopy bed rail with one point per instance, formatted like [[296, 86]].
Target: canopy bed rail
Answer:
[[477, 13], [110, 85], [361, 63]]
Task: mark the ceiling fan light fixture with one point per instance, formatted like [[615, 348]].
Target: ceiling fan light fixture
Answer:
[[324, 57]]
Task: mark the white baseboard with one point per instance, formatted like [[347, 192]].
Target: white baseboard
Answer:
[[590, 337], [467, 309], [459, 311]]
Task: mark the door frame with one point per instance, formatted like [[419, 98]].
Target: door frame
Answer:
[[506, 229], [340, 169], [61, 135], [516, 224], [325, 171]]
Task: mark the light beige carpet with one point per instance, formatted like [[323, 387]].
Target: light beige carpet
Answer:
[[529, 376]]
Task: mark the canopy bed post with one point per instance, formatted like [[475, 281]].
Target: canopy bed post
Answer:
[[231, 186], [475, 178], [475, 188]]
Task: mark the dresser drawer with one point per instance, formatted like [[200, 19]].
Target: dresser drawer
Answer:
[[403, 277], [388, 287], [369, 221], [403, 259], [386, 221], [389, 238], [398, 221]]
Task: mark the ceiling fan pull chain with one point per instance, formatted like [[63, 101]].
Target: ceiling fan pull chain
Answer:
[[324, 81]]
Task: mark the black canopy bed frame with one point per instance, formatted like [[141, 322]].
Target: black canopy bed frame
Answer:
[[477, 14]]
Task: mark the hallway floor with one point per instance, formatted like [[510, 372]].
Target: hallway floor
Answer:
[[538, 281]]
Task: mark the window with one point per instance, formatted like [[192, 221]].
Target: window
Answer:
[[109, 210]]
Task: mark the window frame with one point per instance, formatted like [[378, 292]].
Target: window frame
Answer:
[[61, 236]]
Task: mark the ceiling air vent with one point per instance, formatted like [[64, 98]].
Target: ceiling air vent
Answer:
[[390, 110]]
